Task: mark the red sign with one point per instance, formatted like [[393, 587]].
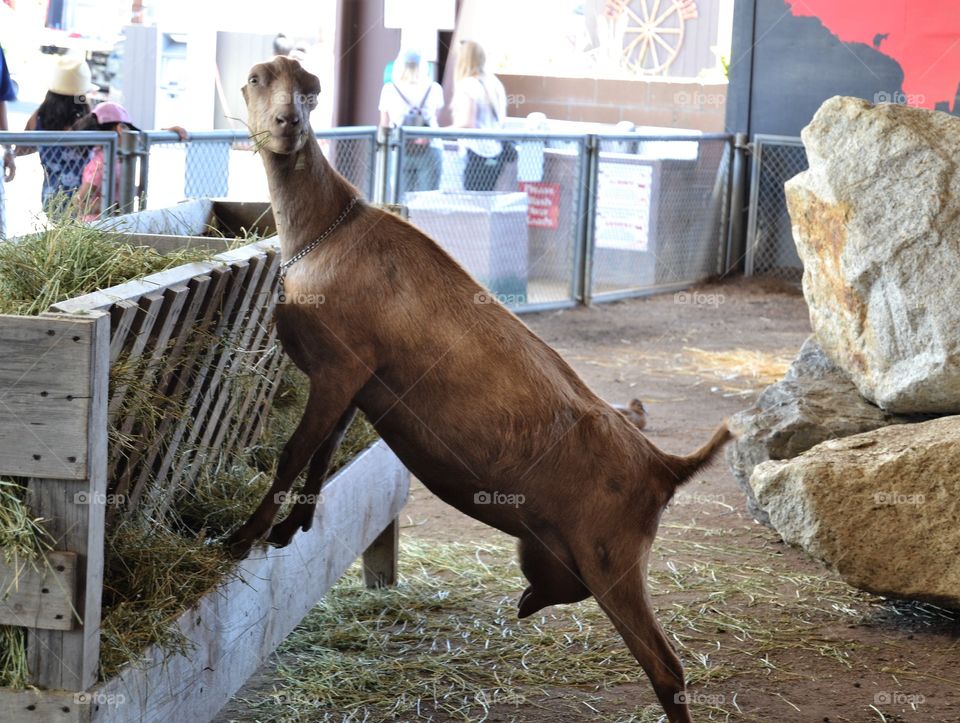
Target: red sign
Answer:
[[543, 204]]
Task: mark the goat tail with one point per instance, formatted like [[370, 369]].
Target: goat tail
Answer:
[[681, 468]]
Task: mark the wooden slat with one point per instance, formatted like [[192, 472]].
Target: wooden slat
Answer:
[[198, 431], [174, 300], [180, 368], [122, 315], [44, 396], [222, 280], [258, 322], [236, 626], [39, 594], [43, 706], [74, 517], [149, 306]]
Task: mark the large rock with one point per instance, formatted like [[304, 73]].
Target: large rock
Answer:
[[881, 508], [876, 221], [814, 402]]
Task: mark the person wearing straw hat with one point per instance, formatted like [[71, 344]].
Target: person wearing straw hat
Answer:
[[7, 93], [66, 102]]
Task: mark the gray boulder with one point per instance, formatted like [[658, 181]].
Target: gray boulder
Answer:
[[814, 402], [880, 508], [876, 221]]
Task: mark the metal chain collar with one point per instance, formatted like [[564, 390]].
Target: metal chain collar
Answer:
[[281, 296]]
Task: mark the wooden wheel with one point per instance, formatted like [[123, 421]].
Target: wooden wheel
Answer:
[[653, 33]]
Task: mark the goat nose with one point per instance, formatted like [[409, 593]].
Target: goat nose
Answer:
[[288, 118]]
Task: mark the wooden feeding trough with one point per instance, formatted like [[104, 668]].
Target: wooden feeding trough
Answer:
[[57, 406]]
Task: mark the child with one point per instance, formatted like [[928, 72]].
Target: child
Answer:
[[105, 117]]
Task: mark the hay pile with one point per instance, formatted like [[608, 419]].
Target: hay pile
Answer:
[[445, 644]]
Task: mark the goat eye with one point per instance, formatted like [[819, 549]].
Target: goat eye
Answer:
[[253, 80]]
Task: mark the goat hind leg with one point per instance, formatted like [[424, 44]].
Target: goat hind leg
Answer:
[[619, 586], [301, 516]]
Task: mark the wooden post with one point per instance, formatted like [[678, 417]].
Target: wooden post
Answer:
[[73, 368], [380, 559]]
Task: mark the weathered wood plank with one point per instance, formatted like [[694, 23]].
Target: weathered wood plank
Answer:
[[195, 373], [44, 396], [74, 516], [380, 559], [43, 706], [258, 326], [179, 367], [149, 306], [122, 316], [39, 594], [174, 300], [201, 429], [240, 623]]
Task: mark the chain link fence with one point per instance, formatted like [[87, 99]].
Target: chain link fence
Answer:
[[222, 164], [509, 208], [543, 220], [770, 247], [50, 168], [660, 215]]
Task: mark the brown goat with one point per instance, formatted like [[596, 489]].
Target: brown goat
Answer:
[[382, 320]]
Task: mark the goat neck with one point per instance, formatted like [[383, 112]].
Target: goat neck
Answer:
[[307, 194]]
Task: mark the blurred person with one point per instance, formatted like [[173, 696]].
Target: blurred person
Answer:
[[87, 202], [413, 99], [7, 93], [65, 103], [479, 101]]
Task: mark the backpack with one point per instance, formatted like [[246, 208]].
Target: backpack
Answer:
[[415, 118]]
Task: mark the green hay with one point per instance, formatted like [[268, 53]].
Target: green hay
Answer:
[[72, 259], [23, 541]]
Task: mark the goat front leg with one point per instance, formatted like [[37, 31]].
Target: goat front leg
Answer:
[[301, 516], [329, 397]]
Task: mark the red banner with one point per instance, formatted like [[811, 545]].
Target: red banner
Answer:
[[543, 204]]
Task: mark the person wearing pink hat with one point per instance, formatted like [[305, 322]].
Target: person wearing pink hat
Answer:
[[105, 117]]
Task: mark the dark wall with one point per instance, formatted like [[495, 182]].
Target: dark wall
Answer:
[[784, 66]]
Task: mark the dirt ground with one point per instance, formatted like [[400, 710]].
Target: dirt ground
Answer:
[[901, 662]]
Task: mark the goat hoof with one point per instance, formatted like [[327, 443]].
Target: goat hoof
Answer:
[[281, 537], [239, 547]]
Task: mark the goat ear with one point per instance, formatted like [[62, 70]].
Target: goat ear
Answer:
[[243, 92]]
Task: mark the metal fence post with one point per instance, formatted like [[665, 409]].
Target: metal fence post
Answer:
[[129, 141], [583, 260], [144, 172], [736, 235], [397, 156], [381, 163], [107, 192]]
